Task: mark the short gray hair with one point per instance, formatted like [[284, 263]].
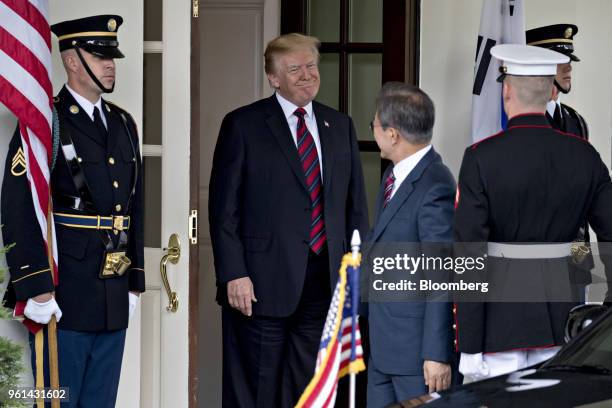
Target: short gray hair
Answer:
[[408, 109], [532, 91]]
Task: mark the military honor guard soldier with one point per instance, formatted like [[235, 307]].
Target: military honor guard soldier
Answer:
[[96, 184], [560, 38], [527, 184]]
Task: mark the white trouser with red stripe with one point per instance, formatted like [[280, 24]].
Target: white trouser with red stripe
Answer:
[[479, 366]]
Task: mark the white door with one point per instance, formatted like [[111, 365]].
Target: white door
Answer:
[[153, 85], [163, 343]]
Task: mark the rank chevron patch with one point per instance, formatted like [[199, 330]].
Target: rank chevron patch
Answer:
[[18, 168]]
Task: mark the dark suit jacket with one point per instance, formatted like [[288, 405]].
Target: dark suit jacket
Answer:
[[88, 303], [403, 334], [259, 209]]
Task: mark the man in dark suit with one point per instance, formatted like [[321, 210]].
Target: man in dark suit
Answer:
[[286, 192], [410, 342], [529, 184], [96, 187]]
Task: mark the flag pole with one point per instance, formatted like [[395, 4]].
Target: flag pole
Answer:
[[355, 244]]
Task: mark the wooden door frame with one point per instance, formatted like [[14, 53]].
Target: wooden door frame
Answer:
[[400, 46], [194, 200]]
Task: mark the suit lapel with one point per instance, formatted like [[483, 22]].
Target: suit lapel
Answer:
[[280, 129], [80, 119], [402, 194], [325, 128]]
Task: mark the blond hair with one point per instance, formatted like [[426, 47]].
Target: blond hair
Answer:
[[288, 43]]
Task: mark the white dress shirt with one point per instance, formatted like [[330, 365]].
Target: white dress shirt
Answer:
[[552, 105], [311, 123], [402, 169], [87, 106]]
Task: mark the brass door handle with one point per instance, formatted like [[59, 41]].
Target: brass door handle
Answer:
[[173, 255]]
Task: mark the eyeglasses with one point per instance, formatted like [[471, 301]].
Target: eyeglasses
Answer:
[[372, 126]]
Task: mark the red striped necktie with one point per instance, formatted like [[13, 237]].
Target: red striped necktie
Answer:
[[309, 157], [389, 183]]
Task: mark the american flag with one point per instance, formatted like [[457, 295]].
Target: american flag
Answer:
[[340, 351], [25, 89]]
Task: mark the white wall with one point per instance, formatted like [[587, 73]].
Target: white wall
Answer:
[[449, 29]]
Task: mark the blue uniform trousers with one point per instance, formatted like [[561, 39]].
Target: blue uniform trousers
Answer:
[[89, 366]]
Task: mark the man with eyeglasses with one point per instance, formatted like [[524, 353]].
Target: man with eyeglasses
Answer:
[[410, 341], [286, 192]]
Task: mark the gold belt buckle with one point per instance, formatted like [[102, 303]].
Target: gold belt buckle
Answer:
[[118, 222]]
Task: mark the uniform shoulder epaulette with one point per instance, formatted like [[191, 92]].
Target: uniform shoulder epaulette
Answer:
[[569, 108], [584, 129], [572, 112], [121, 110], [124, 113]]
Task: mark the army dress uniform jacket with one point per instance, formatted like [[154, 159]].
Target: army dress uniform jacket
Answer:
[[88, 303], [571, 122], [529, 183]]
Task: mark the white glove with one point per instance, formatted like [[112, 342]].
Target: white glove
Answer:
[[42, 312], [473, 366], [133, 299]]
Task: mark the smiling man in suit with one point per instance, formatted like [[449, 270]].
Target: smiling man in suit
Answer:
[[411, 342], [286, 192]]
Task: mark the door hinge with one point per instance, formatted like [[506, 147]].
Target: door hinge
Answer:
[[193, 227], [195, 6]]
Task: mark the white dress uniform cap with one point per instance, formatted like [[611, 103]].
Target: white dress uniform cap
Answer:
[[528, 60]]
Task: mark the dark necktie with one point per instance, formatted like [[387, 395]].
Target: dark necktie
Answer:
[[389, 183], [309, 157], [99, 124], [558, 118]]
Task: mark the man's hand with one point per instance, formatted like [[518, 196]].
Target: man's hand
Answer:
[[240, 294], [41, 312], [437, 375]]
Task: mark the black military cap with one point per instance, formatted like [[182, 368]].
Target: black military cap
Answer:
[[557, 37], [95, 34]]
